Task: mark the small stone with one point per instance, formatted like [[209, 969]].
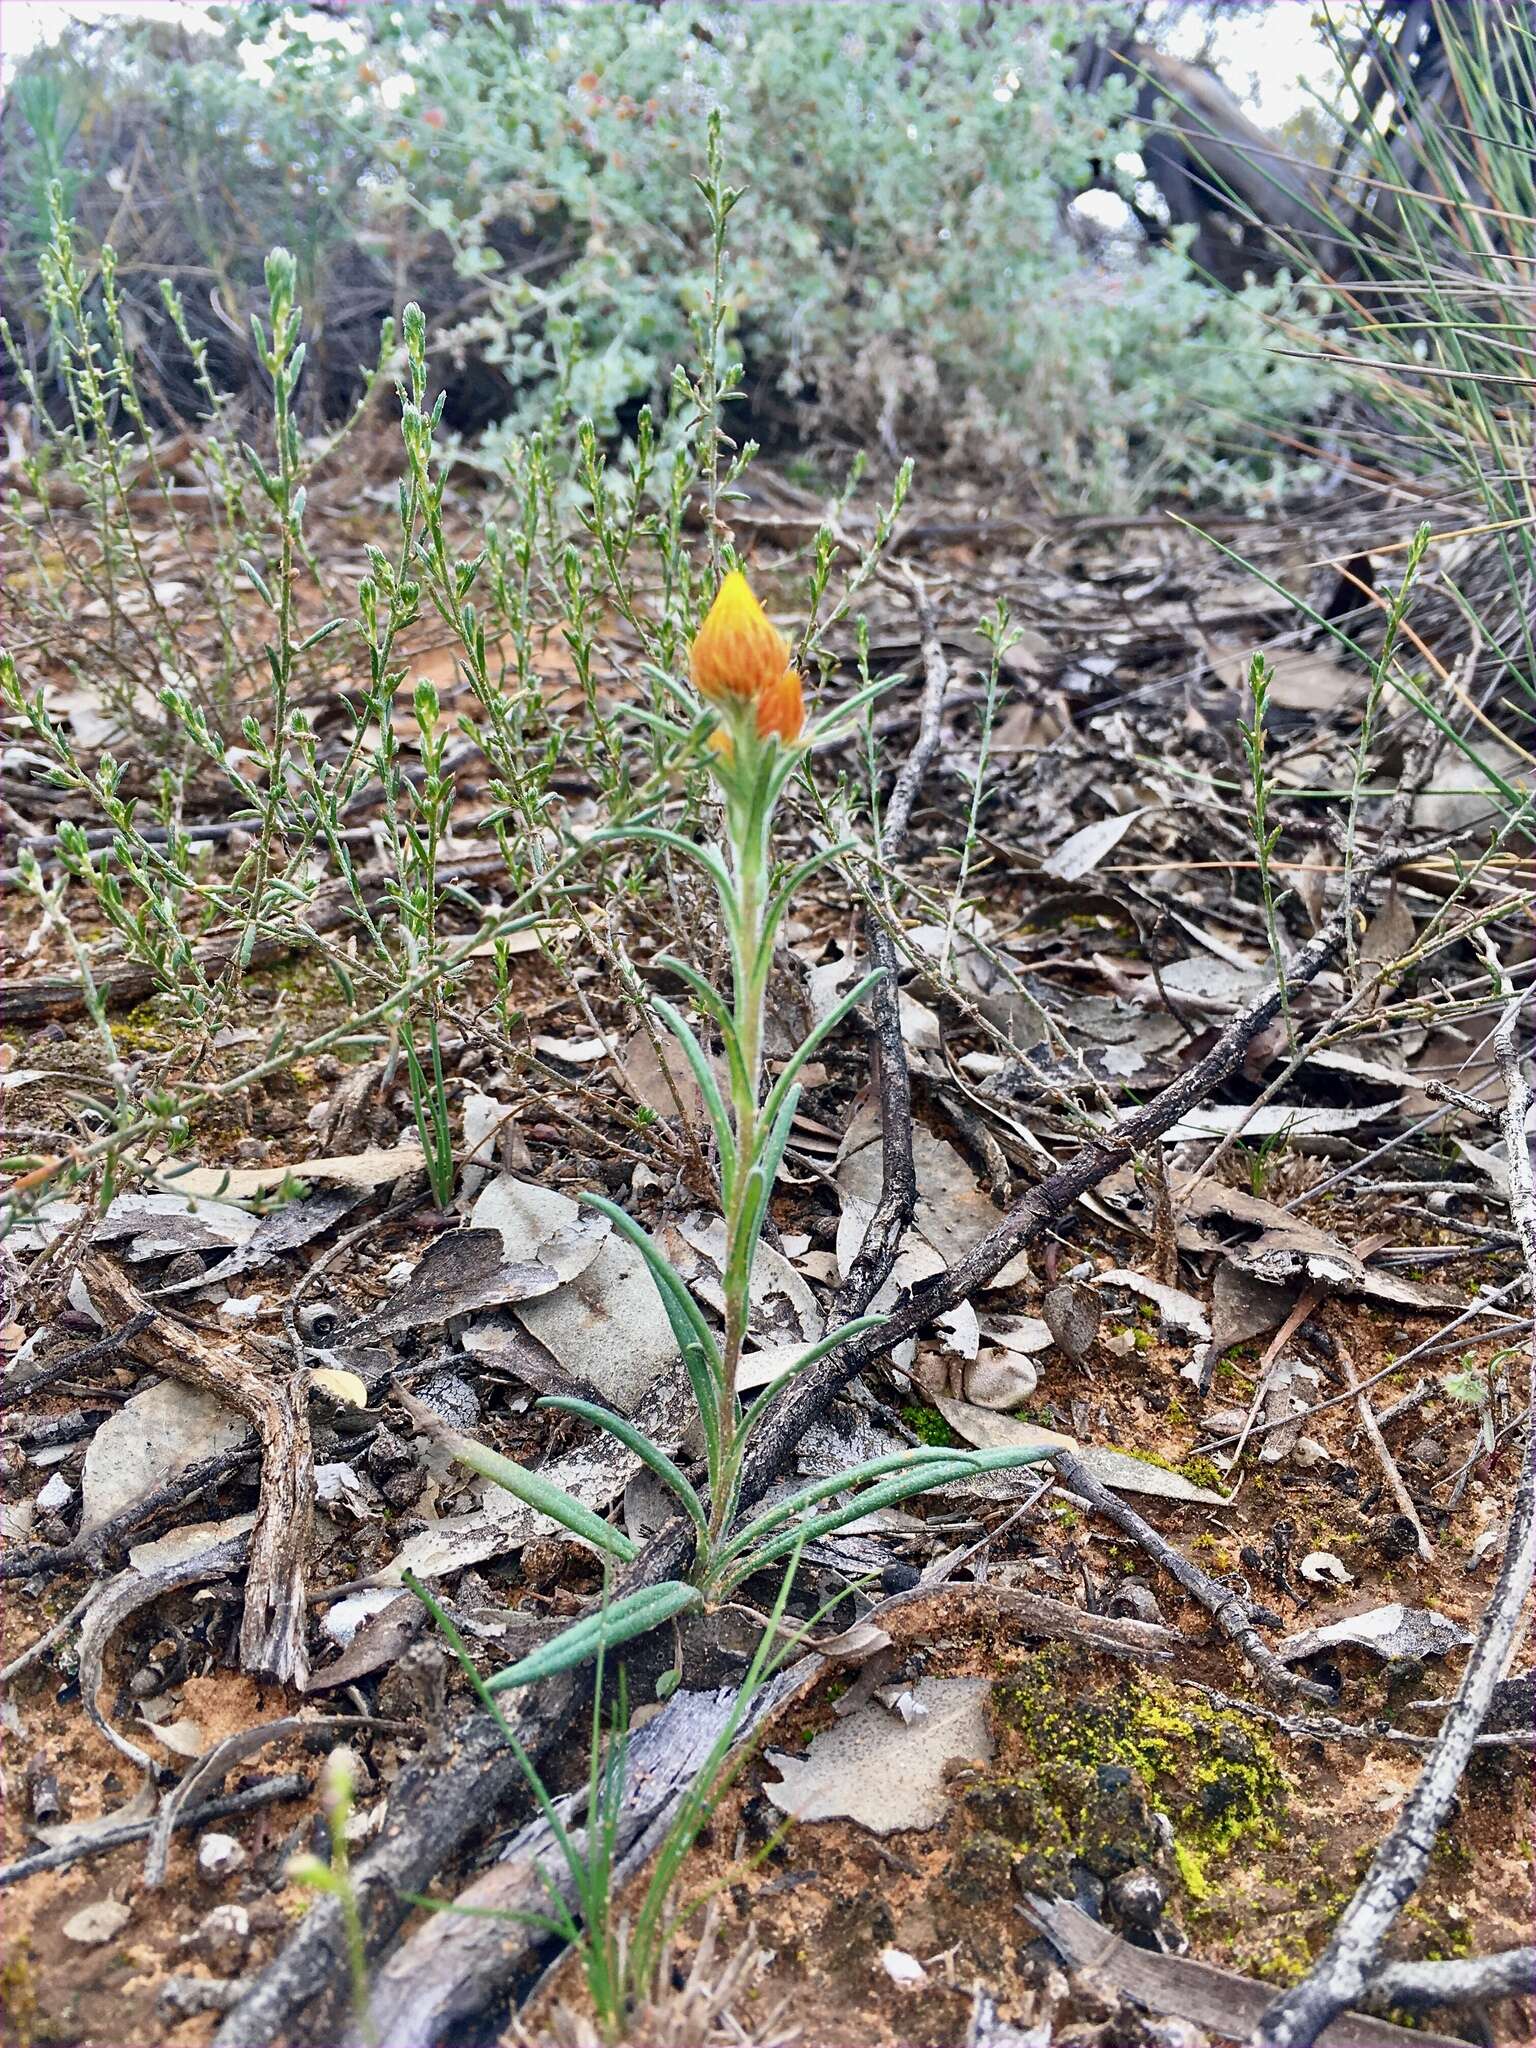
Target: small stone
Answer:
[[388, 1453], [1135, 1599], [221, 1938], [94, 1925], [1235, 1746], [1138, 1897], [404, 1488], [899, 1578], [43, 1795], [57, 1494], [220, 1856]]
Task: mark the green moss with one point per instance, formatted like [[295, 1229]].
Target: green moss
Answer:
[[928, 1426], [1201, 1472], [1218, 1782], [1191, 1870]]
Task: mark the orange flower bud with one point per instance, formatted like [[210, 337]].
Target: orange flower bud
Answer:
[[781, 709], [738, 651]]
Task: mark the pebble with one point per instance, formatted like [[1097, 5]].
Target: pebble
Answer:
[[58, 1493], [94, 1925], [1138, 1897], [221, 1938], [220, 1855]]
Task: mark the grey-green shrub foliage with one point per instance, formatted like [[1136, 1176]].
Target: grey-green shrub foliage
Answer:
[[904, 267]]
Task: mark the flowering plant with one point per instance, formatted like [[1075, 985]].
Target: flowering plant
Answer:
[[749, 718]]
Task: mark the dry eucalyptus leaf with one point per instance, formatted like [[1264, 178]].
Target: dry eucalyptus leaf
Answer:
[[283, 1230], [1218, 1119], [181, 1545], [1177, 1308], [1319, 1566], [1081, 853], [607, 1326], [359, 1170], [1071, 1312], [885, 1775], [159, 1226], [999, 1379], [540, 1225], [147, 1442], [987, 1430], [457, 1275], [1394, 1632], [572, 1052], [94, 1925]]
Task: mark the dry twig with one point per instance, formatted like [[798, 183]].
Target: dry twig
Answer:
[[272, 1643]]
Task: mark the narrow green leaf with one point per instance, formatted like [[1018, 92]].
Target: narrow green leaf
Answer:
[[627, 1434], [683, 1312], [844, 1334], [959, 1465], [709, 1088], [839, 1482], [635, 1615], [540, 1493]]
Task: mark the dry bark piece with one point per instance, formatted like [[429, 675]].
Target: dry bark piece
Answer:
[[1393, 1632], [1229, 2005], [1072, 1314], [881, 1772], [272, 1630], [457, 1275]]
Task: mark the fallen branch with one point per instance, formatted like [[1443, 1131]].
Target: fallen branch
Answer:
[[1220, 2001], [292, 1785], [1229, 1611], [872, 1263], [454, 1965], [90, 1550], [272, 1630], [1343, 1970]]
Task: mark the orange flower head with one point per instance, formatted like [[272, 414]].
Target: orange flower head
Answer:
[[738, 652], [781, 709]]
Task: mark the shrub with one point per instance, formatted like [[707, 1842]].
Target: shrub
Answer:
[[904, 264]]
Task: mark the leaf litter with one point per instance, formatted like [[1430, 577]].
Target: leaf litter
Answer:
[[1018, 1021]]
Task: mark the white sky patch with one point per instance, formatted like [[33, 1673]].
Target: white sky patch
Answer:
[[1264, 56], [26, 23]]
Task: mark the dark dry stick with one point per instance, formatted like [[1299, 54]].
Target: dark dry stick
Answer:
[[872, 1263], [20, 1387], [1229, 1611], [1342, 1971], [89, 1550], [1378, 1443], [1470, 1980], [292, 1786]]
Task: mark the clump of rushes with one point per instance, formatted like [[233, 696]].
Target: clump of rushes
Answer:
[[746, 716]]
